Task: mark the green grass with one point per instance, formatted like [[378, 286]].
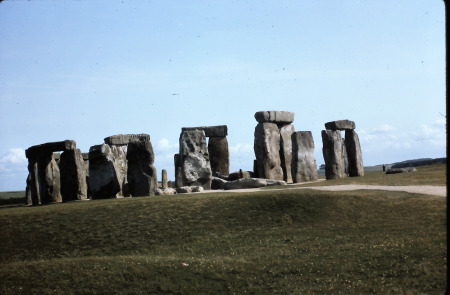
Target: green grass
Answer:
[[15, 197], [425, 175], [270, 242]]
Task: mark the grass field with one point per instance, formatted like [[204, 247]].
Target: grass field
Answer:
[[269, 242]]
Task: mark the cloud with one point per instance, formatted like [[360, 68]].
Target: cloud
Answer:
[[14, 156], [13, 169], [241, 148], [164, 145]]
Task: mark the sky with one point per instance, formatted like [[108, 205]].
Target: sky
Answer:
[[85, 70]]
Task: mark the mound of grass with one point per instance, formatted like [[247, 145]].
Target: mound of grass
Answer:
[[15, 197], [425, 175], [262, 243]]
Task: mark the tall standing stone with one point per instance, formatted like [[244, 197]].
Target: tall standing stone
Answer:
[[178, 174], [164, 178], [355, 162], [194, 159], [103, 180], [142, 178], [267, 151], [286, 132], [219, 155], [304, 166], [332, 154], [344, 154], [73, 175]]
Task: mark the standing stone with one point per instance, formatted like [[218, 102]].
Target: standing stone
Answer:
[[120, 164], [73, 176], [195, 165], [142, 178], [304, 166], [178, 174], [164, 179], [28, 199], [286, 132], [355, 162], [103, 180], [51, 191], [219, 155], [332, 154], [344, 154], [267, 151]]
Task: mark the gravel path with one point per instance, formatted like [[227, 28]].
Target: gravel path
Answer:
[[433, 190]]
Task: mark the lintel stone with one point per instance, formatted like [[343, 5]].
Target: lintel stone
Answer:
[[210, 131], [122, 139], [50, 147], [340, 125], [279, 117]]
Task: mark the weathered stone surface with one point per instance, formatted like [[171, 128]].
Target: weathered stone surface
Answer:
[[401, 170], [121, 165], [178, 174], [45, 179], [184, 189], [103, 179], [73, 176], [217, 183], [165, 191], [354, 155], [195, 165], [340, 125], [286, 132], [142, 178], [332, 154], [267, 151], [28, 199], [279, 117], [219, 155], [123, 139], [243, 183], [271, 182], [197, 189], [344, 154], [210, 131], [50, 147], [304, 166], [235, 175], [164, 178]]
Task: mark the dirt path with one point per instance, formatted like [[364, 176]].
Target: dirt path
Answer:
[[419, 189]]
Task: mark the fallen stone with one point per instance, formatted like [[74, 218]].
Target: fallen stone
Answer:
[[210, 131], [332, 154], [235, 175], [340, 125], [165, 191], [304, 166], [279, 117], [217, 183], [401, 170], [184, 189], [197, 189], [243, 183], [267, 151]]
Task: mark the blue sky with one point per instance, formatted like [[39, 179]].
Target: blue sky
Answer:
[[85, 70]]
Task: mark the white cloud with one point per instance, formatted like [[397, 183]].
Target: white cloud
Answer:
[[14, 156], [241, 148], [164, 145]]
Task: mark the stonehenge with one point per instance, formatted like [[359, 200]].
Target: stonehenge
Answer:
[[342, 156], [123, 165], [281, 153]]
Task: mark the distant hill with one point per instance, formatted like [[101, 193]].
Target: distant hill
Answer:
[[419, 162]]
